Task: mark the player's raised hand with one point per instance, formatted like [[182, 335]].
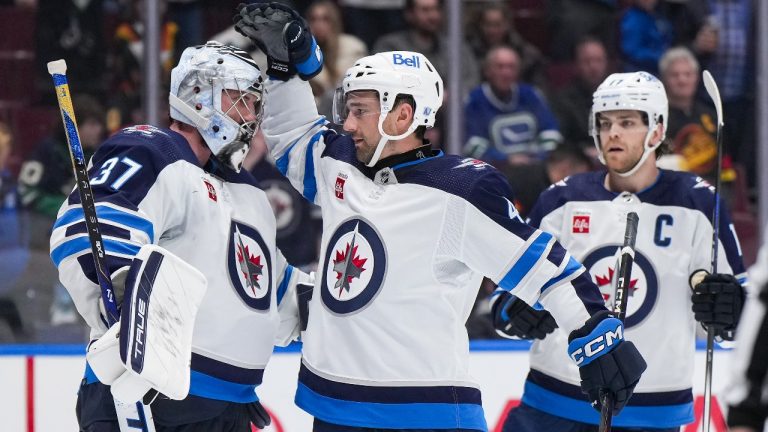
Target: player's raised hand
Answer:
[[284, 36], [515, 319], [607, 363]]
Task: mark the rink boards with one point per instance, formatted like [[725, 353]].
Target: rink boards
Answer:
[[38, 385]]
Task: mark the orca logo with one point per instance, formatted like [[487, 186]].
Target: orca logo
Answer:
[[250, 266], [355, 267], [602, 266]]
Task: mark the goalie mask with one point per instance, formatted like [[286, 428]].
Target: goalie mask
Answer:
[[638, 91], [390, 74], [207, 75]]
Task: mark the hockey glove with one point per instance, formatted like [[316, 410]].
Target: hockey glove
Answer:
[[718, 301], [514, 319], [258, 415], [607, 363], [284, 36]]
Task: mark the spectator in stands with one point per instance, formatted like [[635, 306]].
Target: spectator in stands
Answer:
[[495, 25], [573, 103], [14, 253], [692, 123], [571, 20], [645, 35], [46, 178], [506, 120], [424, 35], [71, 29], [369, 19], [340, 50]]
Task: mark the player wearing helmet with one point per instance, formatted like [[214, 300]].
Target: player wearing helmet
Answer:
[[409, 233], [180, 190], [586, 212]]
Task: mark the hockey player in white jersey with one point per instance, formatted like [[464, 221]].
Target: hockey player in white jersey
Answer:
[[409, 233], [181, 190], [586, 212]]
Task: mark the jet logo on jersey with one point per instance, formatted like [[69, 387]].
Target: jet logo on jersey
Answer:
[[211, 190], [478, 165], [355, 267], [249, 264], [643, 286]]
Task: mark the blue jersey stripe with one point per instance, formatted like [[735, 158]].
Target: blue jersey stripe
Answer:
[[109, 214], [310, 183], [392, 416], [526, 262], [659, 416], [282, 162], [572, 267], [81, 244], [284, 283], [213, 388]]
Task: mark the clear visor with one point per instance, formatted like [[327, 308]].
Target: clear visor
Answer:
[[359, 104]]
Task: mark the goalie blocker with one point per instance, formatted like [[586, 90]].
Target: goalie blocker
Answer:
[[151, 346]]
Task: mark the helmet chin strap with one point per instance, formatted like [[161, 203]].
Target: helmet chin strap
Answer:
[[385, 138], [647, 151]]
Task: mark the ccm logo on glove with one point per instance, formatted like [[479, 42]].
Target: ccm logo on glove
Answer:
[[585, 349]]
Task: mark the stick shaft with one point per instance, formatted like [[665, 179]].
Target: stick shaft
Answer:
[[620, 305]]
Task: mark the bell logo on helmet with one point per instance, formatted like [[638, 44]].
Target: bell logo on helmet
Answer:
[[412, 61]]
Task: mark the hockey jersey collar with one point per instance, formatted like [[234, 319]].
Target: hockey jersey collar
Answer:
[[411, 157]]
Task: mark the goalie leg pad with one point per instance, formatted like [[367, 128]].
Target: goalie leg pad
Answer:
[[163, 294]]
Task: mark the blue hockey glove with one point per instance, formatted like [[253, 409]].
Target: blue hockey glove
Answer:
[[607, 363], [513, 318], [718, 301], [284, 36], [258, 415]]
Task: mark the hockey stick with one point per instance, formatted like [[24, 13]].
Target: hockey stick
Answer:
[[620, 304], [714, 94], [130, 416]]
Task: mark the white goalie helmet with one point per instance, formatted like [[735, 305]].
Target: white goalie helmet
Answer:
[[197, 87], [390, 74], [639, 91]]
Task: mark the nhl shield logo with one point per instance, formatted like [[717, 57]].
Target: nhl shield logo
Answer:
[[602, 266], [355, 267], [250, 266]]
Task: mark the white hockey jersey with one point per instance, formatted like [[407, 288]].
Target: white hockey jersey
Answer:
[[149, 188], [674, 238], [404, 249]]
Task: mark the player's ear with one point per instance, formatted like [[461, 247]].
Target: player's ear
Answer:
[[404, 116]]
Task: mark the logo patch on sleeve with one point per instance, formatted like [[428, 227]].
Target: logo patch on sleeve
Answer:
[[581, 224], [211, 190]]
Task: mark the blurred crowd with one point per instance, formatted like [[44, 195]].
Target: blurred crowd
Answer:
[[528, 71]]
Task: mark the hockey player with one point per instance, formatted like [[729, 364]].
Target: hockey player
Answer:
[[181, 190], [586, 212], [409, 233], [746, 395]]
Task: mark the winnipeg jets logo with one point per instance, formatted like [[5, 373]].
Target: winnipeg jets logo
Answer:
[[348, 265], [146, 130], [602, 264], [249, 265], [354, 268]]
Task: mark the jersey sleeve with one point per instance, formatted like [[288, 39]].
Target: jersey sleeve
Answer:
[[296, 134], [523, 260], [121, 176], [287, 302]]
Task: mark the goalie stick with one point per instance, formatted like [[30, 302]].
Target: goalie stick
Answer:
[[130, 416], [620, 304]]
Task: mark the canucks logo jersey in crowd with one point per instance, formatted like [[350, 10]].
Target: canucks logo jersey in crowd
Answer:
[[674, 239], [149, 188], [404, 250]]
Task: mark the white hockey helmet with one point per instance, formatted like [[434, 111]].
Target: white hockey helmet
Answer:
[[638, 91], [390, 74], [197, 83]]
